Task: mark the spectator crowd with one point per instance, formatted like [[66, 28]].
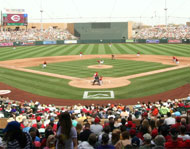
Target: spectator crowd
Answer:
[[34, 34], [154, 125], [170, 32]]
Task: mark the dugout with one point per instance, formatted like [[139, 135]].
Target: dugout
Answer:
[[101, 30]]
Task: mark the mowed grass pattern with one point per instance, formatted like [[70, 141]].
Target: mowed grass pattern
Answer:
[[57, 50], [120, 68], [59, 88]]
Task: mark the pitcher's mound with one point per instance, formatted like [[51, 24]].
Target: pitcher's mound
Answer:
[[108, 82], [100, 66]]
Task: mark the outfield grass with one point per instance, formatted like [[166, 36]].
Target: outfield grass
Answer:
[[59, 88], [88, 49]]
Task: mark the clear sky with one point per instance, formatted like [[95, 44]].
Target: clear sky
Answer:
[[146, 11]]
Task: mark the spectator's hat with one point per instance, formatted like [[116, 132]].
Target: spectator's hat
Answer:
[[20, 118], [37, 144], [96, 120], [12, 126], [38, 118], [132, 132], [154, 133], [135, 141], [178, 119], [147, 137]]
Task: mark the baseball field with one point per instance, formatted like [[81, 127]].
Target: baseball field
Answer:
[[68, 77]]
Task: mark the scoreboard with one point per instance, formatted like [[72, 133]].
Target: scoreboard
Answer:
[[14, 19]]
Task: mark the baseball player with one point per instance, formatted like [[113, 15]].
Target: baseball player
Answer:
[[14, 48], [177, 61], [110, 45], [112, 57], [174, 59], [96, 79], [138, 54], [44, 64], [80, 54]]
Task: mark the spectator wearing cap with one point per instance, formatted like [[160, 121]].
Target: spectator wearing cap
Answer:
[[96, 127], [169, 120], [83, 136], [135, 142], [147, 142], [15, 138], [159, 142], [52, 124], [38, 123], [175, 142], [164, 110], [177, 124]]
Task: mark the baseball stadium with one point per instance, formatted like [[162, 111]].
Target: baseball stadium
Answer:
[[68, 77], [105, 65]]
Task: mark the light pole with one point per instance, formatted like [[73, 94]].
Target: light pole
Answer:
[[165, 9], [41, 11]]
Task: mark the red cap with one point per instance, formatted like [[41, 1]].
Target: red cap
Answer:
[[97, 120], [130, 123], [178, 119], [154, 133], [37, 144], [132, 132], [145, 114], [38, 118]]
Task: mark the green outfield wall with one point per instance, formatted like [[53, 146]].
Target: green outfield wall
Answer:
[[101, 30]]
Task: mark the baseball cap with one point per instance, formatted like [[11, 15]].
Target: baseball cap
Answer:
[[132, 132], [135, 141], [97, 120], [154, 133], [178, 119], [11, 126], [37, 144], [38, 118]]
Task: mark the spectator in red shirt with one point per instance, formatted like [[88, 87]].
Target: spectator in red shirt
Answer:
[[177, 124], [174, 143]]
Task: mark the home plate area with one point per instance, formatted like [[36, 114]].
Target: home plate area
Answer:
[[98, 95]]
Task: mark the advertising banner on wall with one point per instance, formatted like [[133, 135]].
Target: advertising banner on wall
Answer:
[[174, 41], [49, 42], [70, 41], [129, 40], [6, 44], [152, 41], [28, 43]]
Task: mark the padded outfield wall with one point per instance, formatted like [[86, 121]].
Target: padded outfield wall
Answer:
[[102, 30]]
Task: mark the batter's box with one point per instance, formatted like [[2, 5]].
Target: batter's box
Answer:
[[98, 95]]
